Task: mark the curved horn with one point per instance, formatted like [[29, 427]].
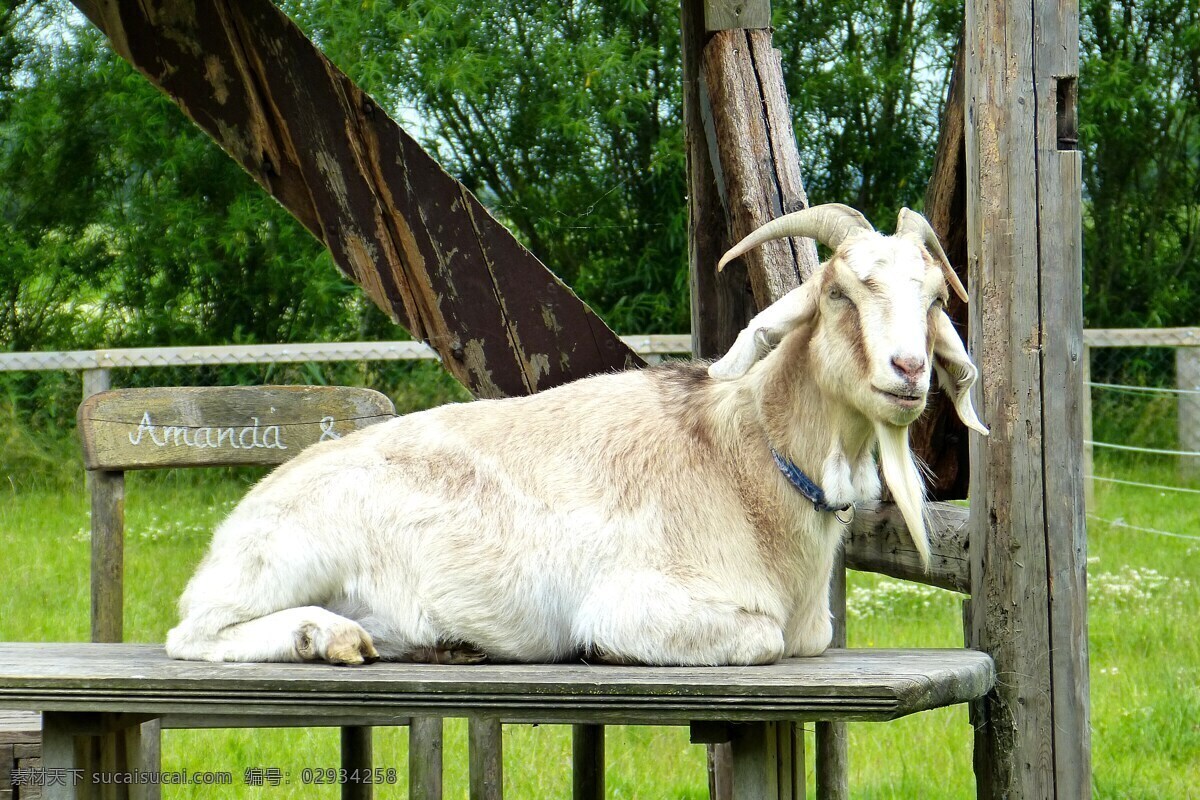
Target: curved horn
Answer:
[[912, 222], [829, 224]]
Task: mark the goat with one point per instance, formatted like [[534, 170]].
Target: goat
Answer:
[[633, 517]]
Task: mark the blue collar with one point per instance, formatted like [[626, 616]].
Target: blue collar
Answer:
[[803, 483]]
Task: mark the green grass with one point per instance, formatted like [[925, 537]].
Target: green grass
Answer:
[[1145, 653]]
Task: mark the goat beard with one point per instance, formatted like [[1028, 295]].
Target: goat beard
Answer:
[[900, 472]]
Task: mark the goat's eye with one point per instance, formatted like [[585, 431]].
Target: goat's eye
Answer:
[[836, 293]]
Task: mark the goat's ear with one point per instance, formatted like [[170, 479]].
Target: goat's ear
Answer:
[[956, 372], [766, 330]]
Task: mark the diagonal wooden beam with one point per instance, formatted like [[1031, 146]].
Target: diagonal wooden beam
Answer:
[[421, 246]]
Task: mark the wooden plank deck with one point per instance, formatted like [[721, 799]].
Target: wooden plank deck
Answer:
[[841, 684]]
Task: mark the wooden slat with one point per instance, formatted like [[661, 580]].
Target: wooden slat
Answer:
[[215, 426], [6, 765], [1085, 411], [831, 762], [1027, 546], [486, 738], [768, 761], [425, 758], [419, 244], [878, 541], [840, 684], [1014, 752], [137, 357], [356, 758], [58, 751], [278, 721], [587, 762], [1187, 380], [107, 490], [150, 749], [20, 726], [1060, 245]]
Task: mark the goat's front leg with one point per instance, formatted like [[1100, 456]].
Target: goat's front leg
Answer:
[[307, 633], [809, 631]]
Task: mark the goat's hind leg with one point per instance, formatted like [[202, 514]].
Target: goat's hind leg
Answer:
[[250, 604], [649, 618]]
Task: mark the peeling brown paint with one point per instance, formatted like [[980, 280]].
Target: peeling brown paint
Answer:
[[332, 172], [475, 359], [359, 252], [549, 319], [214, 73], [539, 363]]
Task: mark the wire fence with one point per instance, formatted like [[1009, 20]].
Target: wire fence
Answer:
[[1143, 420]]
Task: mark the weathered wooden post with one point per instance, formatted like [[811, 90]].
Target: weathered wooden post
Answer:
[[1028, 547], [743, 170], [1187, 380], [1085, 410], [107, 492]]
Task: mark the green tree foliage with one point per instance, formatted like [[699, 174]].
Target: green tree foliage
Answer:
[[1140, 130], [123, 225]]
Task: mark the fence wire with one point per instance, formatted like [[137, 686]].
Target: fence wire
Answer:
[[1144, 402], [1116, 523], [1161, 487]]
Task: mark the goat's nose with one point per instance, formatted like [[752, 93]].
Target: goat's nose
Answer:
[[909, 367]]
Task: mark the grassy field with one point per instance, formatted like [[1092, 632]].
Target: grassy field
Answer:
[[1145, 653]]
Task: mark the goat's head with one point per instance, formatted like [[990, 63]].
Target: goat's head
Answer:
[[875, 313]]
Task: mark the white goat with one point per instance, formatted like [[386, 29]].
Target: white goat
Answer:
[[637, 517]]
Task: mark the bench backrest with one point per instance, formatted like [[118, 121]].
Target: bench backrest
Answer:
[[128, 429]]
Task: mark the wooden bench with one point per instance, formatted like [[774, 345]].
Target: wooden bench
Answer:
[[124, 692], [87, 688]]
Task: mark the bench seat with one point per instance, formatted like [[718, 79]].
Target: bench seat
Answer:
[[841, 684]]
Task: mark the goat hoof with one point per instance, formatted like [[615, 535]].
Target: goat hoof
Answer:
[[351, 647], [343, 644]]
